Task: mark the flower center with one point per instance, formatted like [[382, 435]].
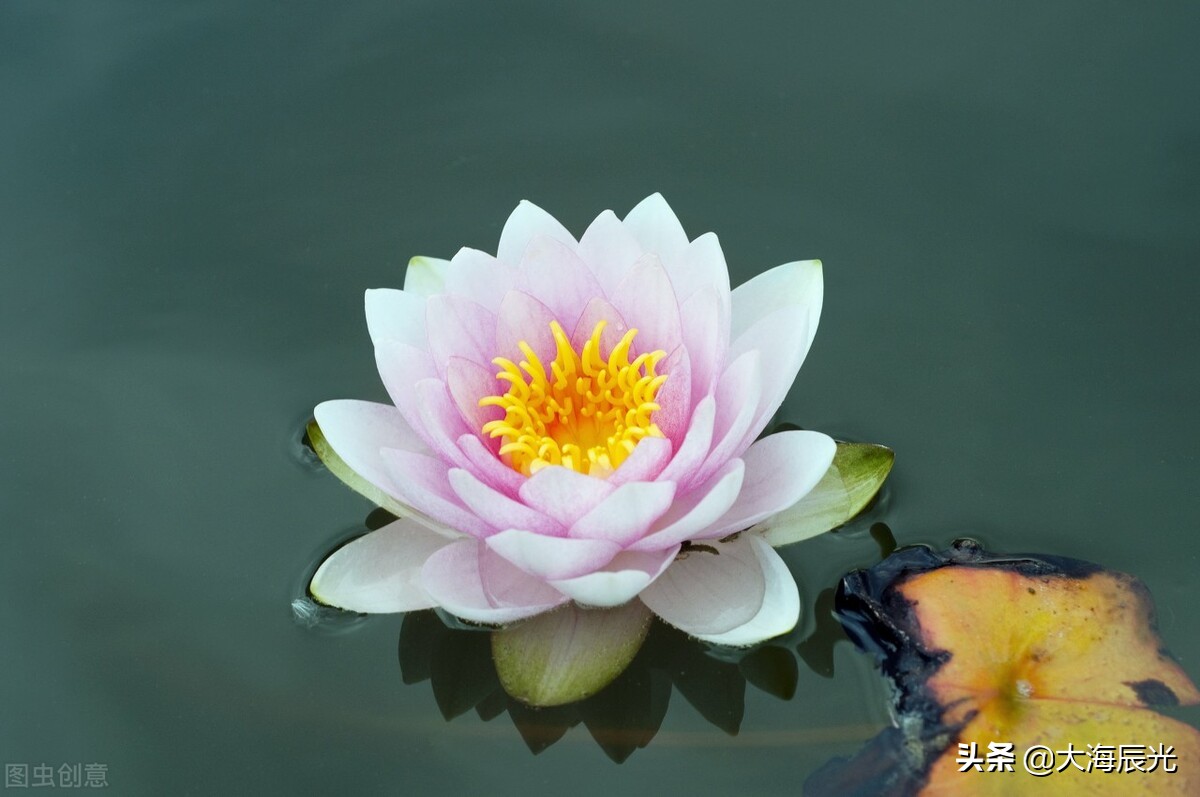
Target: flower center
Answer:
[[587, 414]]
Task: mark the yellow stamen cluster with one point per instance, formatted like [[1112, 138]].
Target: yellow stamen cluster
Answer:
[[587, 414]]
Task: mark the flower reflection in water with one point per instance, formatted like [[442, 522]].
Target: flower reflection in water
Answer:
[[624, 716]]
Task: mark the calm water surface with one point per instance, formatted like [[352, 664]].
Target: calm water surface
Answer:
[[194, 197]]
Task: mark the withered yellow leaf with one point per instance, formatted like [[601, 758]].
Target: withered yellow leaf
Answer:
[[1037, 652]]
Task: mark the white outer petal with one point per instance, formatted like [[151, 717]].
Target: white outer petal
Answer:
[[710, 590], [656, 227], [358, 431], [525, 222], [796, 284], [381, 571], [781, 469], [425, 276], [395, 315], [781, 603]]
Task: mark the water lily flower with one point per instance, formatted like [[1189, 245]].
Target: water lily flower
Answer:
[[577, 421]]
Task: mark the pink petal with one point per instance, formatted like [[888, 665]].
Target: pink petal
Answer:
[[440, 424], [479, 277], [401, 366], [696, 511], [609, 250], [626, 514], [695, 445], [647, 302], [675, 396], [469, 581], [710, 593], [395, 315], [738, 402], [468, 382], [564, 494], [421, 482], [780, 470], [705, 321], [620, 580], [649, 457], [525, 223], [498, 509], [357, 430], [379, 572], [458, 327], [523, 318], [598, 310], [552, 272], [552, 557], [487, 468], [656, 227]]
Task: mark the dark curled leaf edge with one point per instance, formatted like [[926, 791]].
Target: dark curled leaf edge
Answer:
[[863, 595]]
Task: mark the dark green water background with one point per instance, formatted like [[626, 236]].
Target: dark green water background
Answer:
[[193, 197]]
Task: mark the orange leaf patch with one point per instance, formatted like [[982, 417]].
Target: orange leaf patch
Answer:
[[1037, 652]]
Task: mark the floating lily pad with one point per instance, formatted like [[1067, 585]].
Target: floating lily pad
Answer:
[[853, 479], [1032, 651]]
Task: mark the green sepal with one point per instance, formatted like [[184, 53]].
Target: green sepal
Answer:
[[568, 654], [855, 476]]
